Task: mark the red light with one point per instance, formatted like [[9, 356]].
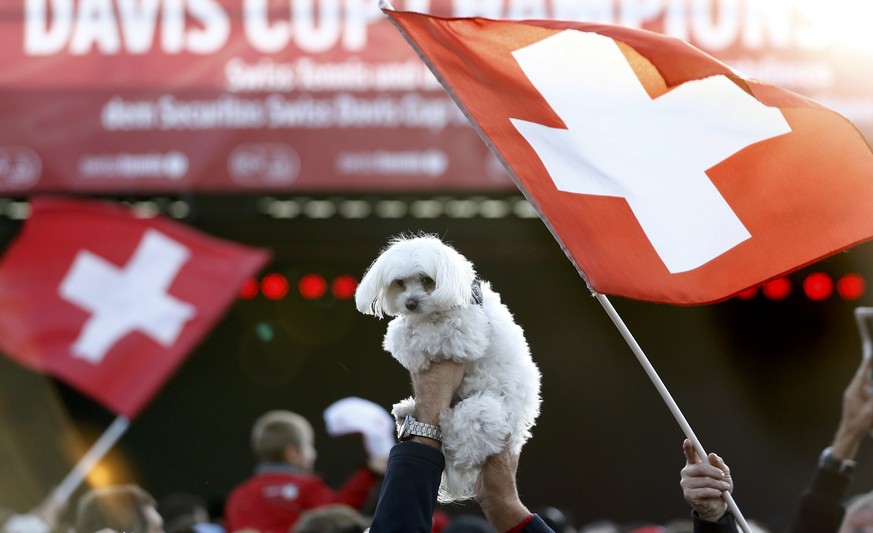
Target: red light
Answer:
[[747, 294], [851, 286], [818, 286], [343, 287], [312, 286], [274, 286], [249, 289], [777, 289]]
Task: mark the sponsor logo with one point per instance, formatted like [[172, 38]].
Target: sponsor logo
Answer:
[[429, 163], [20, 167], [289, 491], [156, 165], [256, 164]]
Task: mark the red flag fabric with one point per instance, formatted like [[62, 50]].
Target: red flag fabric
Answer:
[[664, 175], [111, 303]]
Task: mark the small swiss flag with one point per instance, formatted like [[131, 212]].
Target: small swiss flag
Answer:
[[111, 303], [663, 174]]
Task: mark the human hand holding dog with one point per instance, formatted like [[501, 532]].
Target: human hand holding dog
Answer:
[[703, 483], [442, 310], [497, 493], [433, 389]]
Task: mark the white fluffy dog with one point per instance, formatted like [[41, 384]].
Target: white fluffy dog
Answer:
[[443, 312]]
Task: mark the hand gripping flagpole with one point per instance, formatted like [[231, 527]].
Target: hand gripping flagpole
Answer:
[[668, 399], [79, 472]]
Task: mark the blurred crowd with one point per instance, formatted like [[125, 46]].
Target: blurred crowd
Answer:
[[396, 490]]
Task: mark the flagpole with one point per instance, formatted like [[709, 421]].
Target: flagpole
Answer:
[[668, 399], [79, 472]]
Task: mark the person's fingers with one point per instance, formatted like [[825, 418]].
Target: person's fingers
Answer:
[[703, 493], [690, 453], [703, 470], [705, 482], [712, 477], [503, 462], [716, 466], [716, 461], [719, 463], [701, 477], [512, 460], [497, 476], [862, 375]]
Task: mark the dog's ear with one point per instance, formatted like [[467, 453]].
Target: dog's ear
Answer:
[[369, 295], [454, 279]]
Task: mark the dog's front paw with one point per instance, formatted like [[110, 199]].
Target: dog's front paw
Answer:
[[402, 343]]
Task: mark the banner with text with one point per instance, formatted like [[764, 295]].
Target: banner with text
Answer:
[[124, 96]]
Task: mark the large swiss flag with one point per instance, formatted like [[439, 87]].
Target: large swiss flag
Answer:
[[111, 303], [664, 175]]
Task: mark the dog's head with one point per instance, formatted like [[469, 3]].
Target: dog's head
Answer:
[[418, 274]]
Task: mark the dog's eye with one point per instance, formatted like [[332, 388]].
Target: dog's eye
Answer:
[[427, 281], [399, 283]]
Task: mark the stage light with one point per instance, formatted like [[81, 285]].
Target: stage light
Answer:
[[747, 294], [312, 286], [249, 289], [851, 286], [818, 286], [343, 287], [777, 289], [274, 286]]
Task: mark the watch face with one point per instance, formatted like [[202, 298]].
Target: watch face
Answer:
[[404, 427]]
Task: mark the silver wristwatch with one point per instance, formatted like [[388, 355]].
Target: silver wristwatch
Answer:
[[412, 427]]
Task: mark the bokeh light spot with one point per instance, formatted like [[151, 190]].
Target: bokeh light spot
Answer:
[[249, 289], [343, 287], [274, 286], [777, 289], [264, 332], [851, 286], [818, 286], [312, 286], [747, 294]]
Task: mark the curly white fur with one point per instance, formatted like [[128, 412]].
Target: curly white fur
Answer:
[[429, 288]]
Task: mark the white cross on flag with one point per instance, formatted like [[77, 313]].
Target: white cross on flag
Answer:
[[664, 175], [111, 303]]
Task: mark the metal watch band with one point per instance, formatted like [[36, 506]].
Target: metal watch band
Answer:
[[412, 427], [829, 462]]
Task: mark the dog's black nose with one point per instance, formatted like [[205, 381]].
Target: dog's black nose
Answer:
[[412, 304]]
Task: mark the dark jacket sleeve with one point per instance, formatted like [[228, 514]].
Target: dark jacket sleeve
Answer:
[[821, 506], [725, 524], [536, 525], [409, 491]]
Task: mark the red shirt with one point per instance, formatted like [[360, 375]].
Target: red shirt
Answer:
[[273, 499]]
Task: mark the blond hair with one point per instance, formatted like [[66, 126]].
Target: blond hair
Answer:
[[275, 430]]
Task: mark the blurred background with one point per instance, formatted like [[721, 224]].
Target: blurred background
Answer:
[[311, 128]]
